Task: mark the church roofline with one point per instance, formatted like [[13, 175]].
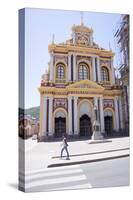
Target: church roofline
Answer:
[[65, 48]]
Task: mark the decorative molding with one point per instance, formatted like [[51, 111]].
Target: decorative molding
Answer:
[[60, 102]]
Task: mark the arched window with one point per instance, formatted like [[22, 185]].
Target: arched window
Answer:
[[60, 73], [83, 71], [104, 74]]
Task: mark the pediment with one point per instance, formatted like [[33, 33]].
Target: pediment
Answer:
[[86, 84]]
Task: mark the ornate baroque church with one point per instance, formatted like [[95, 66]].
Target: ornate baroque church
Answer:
[[80, 78]]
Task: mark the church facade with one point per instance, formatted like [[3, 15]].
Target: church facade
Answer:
[[80, 78]]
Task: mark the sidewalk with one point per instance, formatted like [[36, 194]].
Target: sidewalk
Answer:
[[46, 154], [86, 152]]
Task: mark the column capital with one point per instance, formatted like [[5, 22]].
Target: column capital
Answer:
[[45, 97], [97, 56], [74, 54], [50, 97], [75, 97], [101, 98], [70, 53], [52, 53], [116, 97], [69, 97]]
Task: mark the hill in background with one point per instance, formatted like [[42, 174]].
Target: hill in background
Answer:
[[33, 112]]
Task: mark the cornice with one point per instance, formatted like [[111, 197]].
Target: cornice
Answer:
[[76, 49]]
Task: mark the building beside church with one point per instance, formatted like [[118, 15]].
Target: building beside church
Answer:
[[122, 37], [80, 77]]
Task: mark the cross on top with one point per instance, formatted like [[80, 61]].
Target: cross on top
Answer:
[[81, 13]]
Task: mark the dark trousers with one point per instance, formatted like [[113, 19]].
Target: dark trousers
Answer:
[[64, 149]]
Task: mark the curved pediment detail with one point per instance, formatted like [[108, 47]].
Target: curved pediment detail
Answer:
[[86, 84]]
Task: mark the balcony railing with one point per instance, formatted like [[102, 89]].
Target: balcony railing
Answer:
[[60, 80], [105, 82]]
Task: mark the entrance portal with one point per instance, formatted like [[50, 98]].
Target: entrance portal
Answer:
[[108, 120], [85, 126], [60, 126]]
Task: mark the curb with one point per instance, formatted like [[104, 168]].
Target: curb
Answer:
[[86, 161], [98, 152]]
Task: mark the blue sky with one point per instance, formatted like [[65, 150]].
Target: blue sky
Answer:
[[41, 24]]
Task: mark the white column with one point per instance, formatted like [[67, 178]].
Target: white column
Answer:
[[51, 66], [98, 69], [121, 113], [45, 115], [94, 68], [70, 115], [69, 67], [75, 115], [116, 114], [74, 67], [50, 128], [113, 72], [101, 115]]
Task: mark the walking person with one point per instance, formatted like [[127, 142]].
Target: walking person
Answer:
[[64, 148]]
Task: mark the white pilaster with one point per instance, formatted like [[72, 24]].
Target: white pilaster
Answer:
[[96, 102], [74, 67], [116, 114], [69, 67], [75, 115], [50, 128], [113, 73], [51, 66], [101, 115], [93, 68], [91, 39], [45, 115], [121, 113], [98, 69], [70, 115], [74, 37]]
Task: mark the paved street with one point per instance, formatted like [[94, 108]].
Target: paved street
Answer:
[[100, 169], [100, 174], [109, 173]]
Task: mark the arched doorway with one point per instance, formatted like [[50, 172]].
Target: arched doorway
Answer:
[[60, 123], [85, 126], [108, 125], [60, 126], [108, 121]]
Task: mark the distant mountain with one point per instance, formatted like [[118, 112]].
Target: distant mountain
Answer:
[[33, 112]]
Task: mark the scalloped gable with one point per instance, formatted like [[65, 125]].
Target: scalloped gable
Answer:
[[86, 84]]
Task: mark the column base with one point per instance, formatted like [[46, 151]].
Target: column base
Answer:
[[42, 138], [97, 136], [76, 133], [70, 133], [50, 134]]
